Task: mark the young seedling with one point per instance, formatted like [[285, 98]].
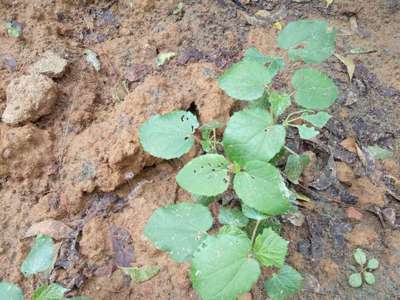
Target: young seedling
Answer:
[[365, 268], [228, 263]]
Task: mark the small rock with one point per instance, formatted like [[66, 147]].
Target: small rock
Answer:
[[367, 193], [137, 72], [353, 214], [50, 65], [344, 173], [29, 97], [362, 235]]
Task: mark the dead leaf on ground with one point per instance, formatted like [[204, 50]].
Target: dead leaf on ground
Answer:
[[349, 144], [55, 229], [122, 246], [367, 193], [349, 63], [353, 213], [344, 173]]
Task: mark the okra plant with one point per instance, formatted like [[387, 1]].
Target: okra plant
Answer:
[[226, 263]]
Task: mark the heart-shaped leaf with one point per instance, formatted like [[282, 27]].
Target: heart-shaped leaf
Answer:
[[232, 216], [314, 89], [270, 249], [246, 80], [206, 175], [308, 40], [318, 120], [179, 229], [41, 256], [53, 291], [284, 284], [170, 135], [10, 291], [222, 267], [261, 186], [251, 135], [307, 132]]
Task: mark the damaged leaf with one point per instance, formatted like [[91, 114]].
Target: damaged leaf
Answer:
[[141, 274], [162, 58], [349, 63], [53, 228]]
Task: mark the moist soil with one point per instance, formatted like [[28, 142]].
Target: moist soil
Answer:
[[82, 164]]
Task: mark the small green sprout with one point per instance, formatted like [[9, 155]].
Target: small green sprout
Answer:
[[365, 266]]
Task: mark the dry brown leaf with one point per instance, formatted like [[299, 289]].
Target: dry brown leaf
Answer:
[[344, 173], [349, 63], [349, 144], [368, 193], [55, 229]]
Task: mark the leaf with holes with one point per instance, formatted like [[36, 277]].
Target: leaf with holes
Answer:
[[318, 120], [295, 166], [232, 216], [308, 40], [284, 284], [10, 291], [251, 135], [246, 80], [314, 89], [141, 274], [179, 229], [41, 256], [307, 132], [279, 102], [261, 186], [170, 135], [53, 291], [206, 175], [270, 249], [222, 267]]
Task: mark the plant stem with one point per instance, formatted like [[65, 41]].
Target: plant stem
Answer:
[[290, 150], [255, 231]]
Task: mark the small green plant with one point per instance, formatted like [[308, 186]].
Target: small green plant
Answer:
[[40, 260], [363, 272], [226, 264]]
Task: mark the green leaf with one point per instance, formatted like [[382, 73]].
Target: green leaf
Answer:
[[295, 166], [232, 230], [279, 102], [141, 274], [318, 120], [170, 135], [232, 216], [307, 132], [369, 277], [373, 264], [379, 153], [41, 256], [206, 175], [261, 186], [252, 213], [251, 135], [270, 249], [204, 200], [314, 89], [10, 291], [179, 229], [360, 257], [162, 58], [53, 291], [222, 267], [246, 80], [308, 40], [14, 29], [284, 284], [355, 280]]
